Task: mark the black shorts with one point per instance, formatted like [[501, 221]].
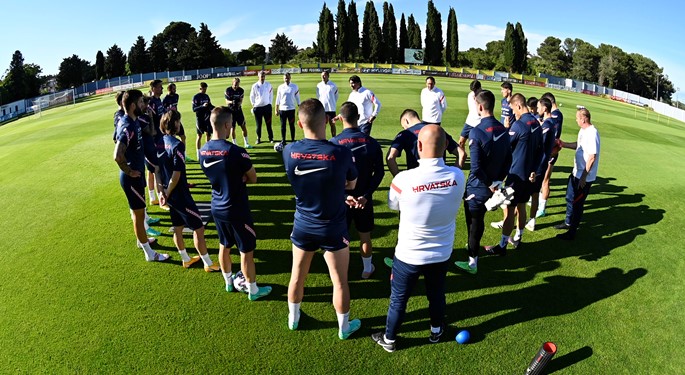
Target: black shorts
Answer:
[[184, 212], [521, 189], [150, 150], [134, 188], [238, 117], [330, 115], [203, 126], [466, 131], [314, 241], [240, 234], [362, 218], [536, 186]]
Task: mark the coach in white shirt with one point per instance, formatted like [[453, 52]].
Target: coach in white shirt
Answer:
[[260, 97], [433, 102], [584, 173], [327, 93], [287, 99], [428, 198], [367, 103]]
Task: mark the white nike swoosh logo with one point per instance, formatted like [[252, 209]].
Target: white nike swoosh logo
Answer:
[[160, 154], [207, 165], [299, 172], [496, 138], [358, 147], [534, 129]]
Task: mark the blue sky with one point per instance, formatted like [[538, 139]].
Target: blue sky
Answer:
[[48, 31]]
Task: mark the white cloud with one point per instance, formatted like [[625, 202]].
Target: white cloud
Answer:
[[302, 35], [227, 27]]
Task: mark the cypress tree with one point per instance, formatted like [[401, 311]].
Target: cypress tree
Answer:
[[452, 47], [342, 44]]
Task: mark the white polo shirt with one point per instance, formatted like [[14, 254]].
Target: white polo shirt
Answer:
[[472, 119], [367, 104], [261, 94], [428, 198], [434, 104], [287, 96], [327, 93], [588, 144]]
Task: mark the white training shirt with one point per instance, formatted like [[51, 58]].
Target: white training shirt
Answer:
[[472, 119], [327, 93], [287, 96], [588, 144], [428, 198], [434, 104], [261, 94], [367, 104]]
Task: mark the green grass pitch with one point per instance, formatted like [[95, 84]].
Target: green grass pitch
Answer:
[[76, 296]]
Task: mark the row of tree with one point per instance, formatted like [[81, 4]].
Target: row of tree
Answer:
[[21, 80]]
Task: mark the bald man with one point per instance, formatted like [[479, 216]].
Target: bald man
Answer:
[[429, 198]]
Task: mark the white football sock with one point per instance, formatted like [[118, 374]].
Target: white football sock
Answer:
[[435, 329], [228, 277], [473, 262], [197, 153], [252, 288], [184, 255], [518, 235], [149, 253], [385, 338], [294, 312], [206, 260], [542, 204], [153, 196], [246, 142], [343, 321], [367, 263]]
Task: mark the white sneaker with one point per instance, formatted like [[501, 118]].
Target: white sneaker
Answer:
[[531, 225], [497, 224]]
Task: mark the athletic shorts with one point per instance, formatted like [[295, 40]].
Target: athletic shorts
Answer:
[[330, 241], [362, 218], [240, 234], [330, 115], [150, 151], [203, 126], [466, 131], [238, 117], [536, 186], [184, 212], [521, 189], [134, 188]]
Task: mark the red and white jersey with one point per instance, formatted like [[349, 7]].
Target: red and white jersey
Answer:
[[287, 96], [428, 198], [367, 103], [327, 93], [434, 104]]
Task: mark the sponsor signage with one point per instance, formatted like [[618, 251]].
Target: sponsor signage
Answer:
[[413, 56]]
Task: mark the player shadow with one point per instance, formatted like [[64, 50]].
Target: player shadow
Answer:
[[556, 296], [568, 359]]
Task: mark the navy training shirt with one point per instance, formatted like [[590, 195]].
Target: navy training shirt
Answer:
[[548, 133], [225, 165], [318, 171], [173, 160], [507, 112], [202, 112], [490, 151], [368, 159], [236, 95], [157, 108], [130, 135], [558, 118], [407, 140], [536, 149], [149, 148], [117, 116], [170, 102], [521, 160]]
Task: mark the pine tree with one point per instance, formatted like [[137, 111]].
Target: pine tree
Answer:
[[510, 47], [390, 36], [522, 49], [208, 51], [138, 59], [434, 42], [375, 35], [115, 62], [366, 33], [99, 65], [325, 38], [404, 40], [15, 81], [452, 47], [352, 31], [342, 42], [282, 49], [158, 54]]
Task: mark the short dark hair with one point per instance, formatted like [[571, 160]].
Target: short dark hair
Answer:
[[519, 99], [168, 122], [431, 78], [475, 85], [120, 96], [131, 97], [170, 86], [203, 84], [312, 114], [507, 85], [546, 103], [155, 83], [550, 96], [409, 112], [349, 112], [532, 102], [487, 99], [146, 99], [356, 79]]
